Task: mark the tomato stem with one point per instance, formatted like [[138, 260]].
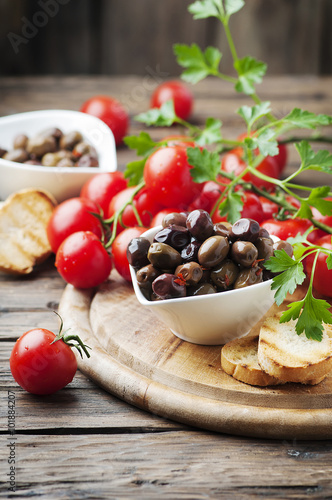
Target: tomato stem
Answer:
[[79, 345]]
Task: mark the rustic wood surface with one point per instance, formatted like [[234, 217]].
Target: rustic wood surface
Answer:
[[85, 443], [137, 358]]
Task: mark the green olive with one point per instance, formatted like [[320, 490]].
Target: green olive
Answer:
[[248, 277], [201, 289], [191, 272], [212, 251], [163, 256], [225, 274]]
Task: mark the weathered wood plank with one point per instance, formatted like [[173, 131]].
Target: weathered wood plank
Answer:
[[170, 465], [62, 412], [125, 37]]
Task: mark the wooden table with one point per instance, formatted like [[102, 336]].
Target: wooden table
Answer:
[[84, 443]]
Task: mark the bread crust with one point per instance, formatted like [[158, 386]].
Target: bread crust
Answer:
[[24, 216], [239, 359], [290, 357]]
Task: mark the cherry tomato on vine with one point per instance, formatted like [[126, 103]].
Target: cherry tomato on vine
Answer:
[[281, 157], [111, 112], [167, 176], [209, 195], [233, 163], [144, 203], [83, 261], [75, 214], [158, 218], [322, 281], [252, 209], [180, 140], [325, 219], [119, 250], [179, 93], [102, 187], [269, 207], [39, 366], [288, 228]]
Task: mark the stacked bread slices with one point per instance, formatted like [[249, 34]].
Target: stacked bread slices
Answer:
[[278, 355]]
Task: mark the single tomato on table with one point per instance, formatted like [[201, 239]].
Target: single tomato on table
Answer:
[[40, 365], [178, 93], [111, 112], [83, 261], [322, 280], [75, 214]]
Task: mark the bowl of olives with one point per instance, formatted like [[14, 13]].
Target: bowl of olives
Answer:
[[57, 150], [205, 281]]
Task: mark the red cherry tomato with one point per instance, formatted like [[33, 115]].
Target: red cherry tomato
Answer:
[[144, 203], [71, 216], [269, 207], [82, 260], [179, 93], [39, 366], [179, 140], [325, 219], [158, 218], [119, 250], [111, 112], [102, 187], [233, 163], [322, 281], [209, 195], [252, 209], [288, 228], [167, 176], [281, 157]]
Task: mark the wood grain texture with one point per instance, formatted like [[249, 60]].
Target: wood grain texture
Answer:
[[112, 37], [85, 442], [191, 465], [136, 357]]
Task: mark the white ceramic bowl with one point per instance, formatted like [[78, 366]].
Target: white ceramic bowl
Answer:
[[64, 182], [210, 319]]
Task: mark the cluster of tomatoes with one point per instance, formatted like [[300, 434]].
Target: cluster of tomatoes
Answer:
[[79, 237], [80, 228]]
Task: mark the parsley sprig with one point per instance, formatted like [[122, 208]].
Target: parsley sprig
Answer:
[[310, 311], [263, 135]]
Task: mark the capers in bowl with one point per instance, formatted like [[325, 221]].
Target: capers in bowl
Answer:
[[52, 148]]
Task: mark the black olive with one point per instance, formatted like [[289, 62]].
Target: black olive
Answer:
[[137, 252]]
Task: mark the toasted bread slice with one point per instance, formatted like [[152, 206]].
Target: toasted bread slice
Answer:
[[23, 221], [293, 358], [239, 359]]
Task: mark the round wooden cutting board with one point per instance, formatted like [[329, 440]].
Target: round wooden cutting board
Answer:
[[136, 357]]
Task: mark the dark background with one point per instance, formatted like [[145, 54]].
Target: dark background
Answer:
[[136, 36]]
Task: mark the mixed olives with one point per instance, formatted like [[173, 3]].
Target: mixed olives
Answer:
[[52, 148], [192, 256]]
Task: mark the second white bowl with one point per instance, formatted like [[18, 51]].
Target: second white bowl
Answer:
[[62, 182]]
